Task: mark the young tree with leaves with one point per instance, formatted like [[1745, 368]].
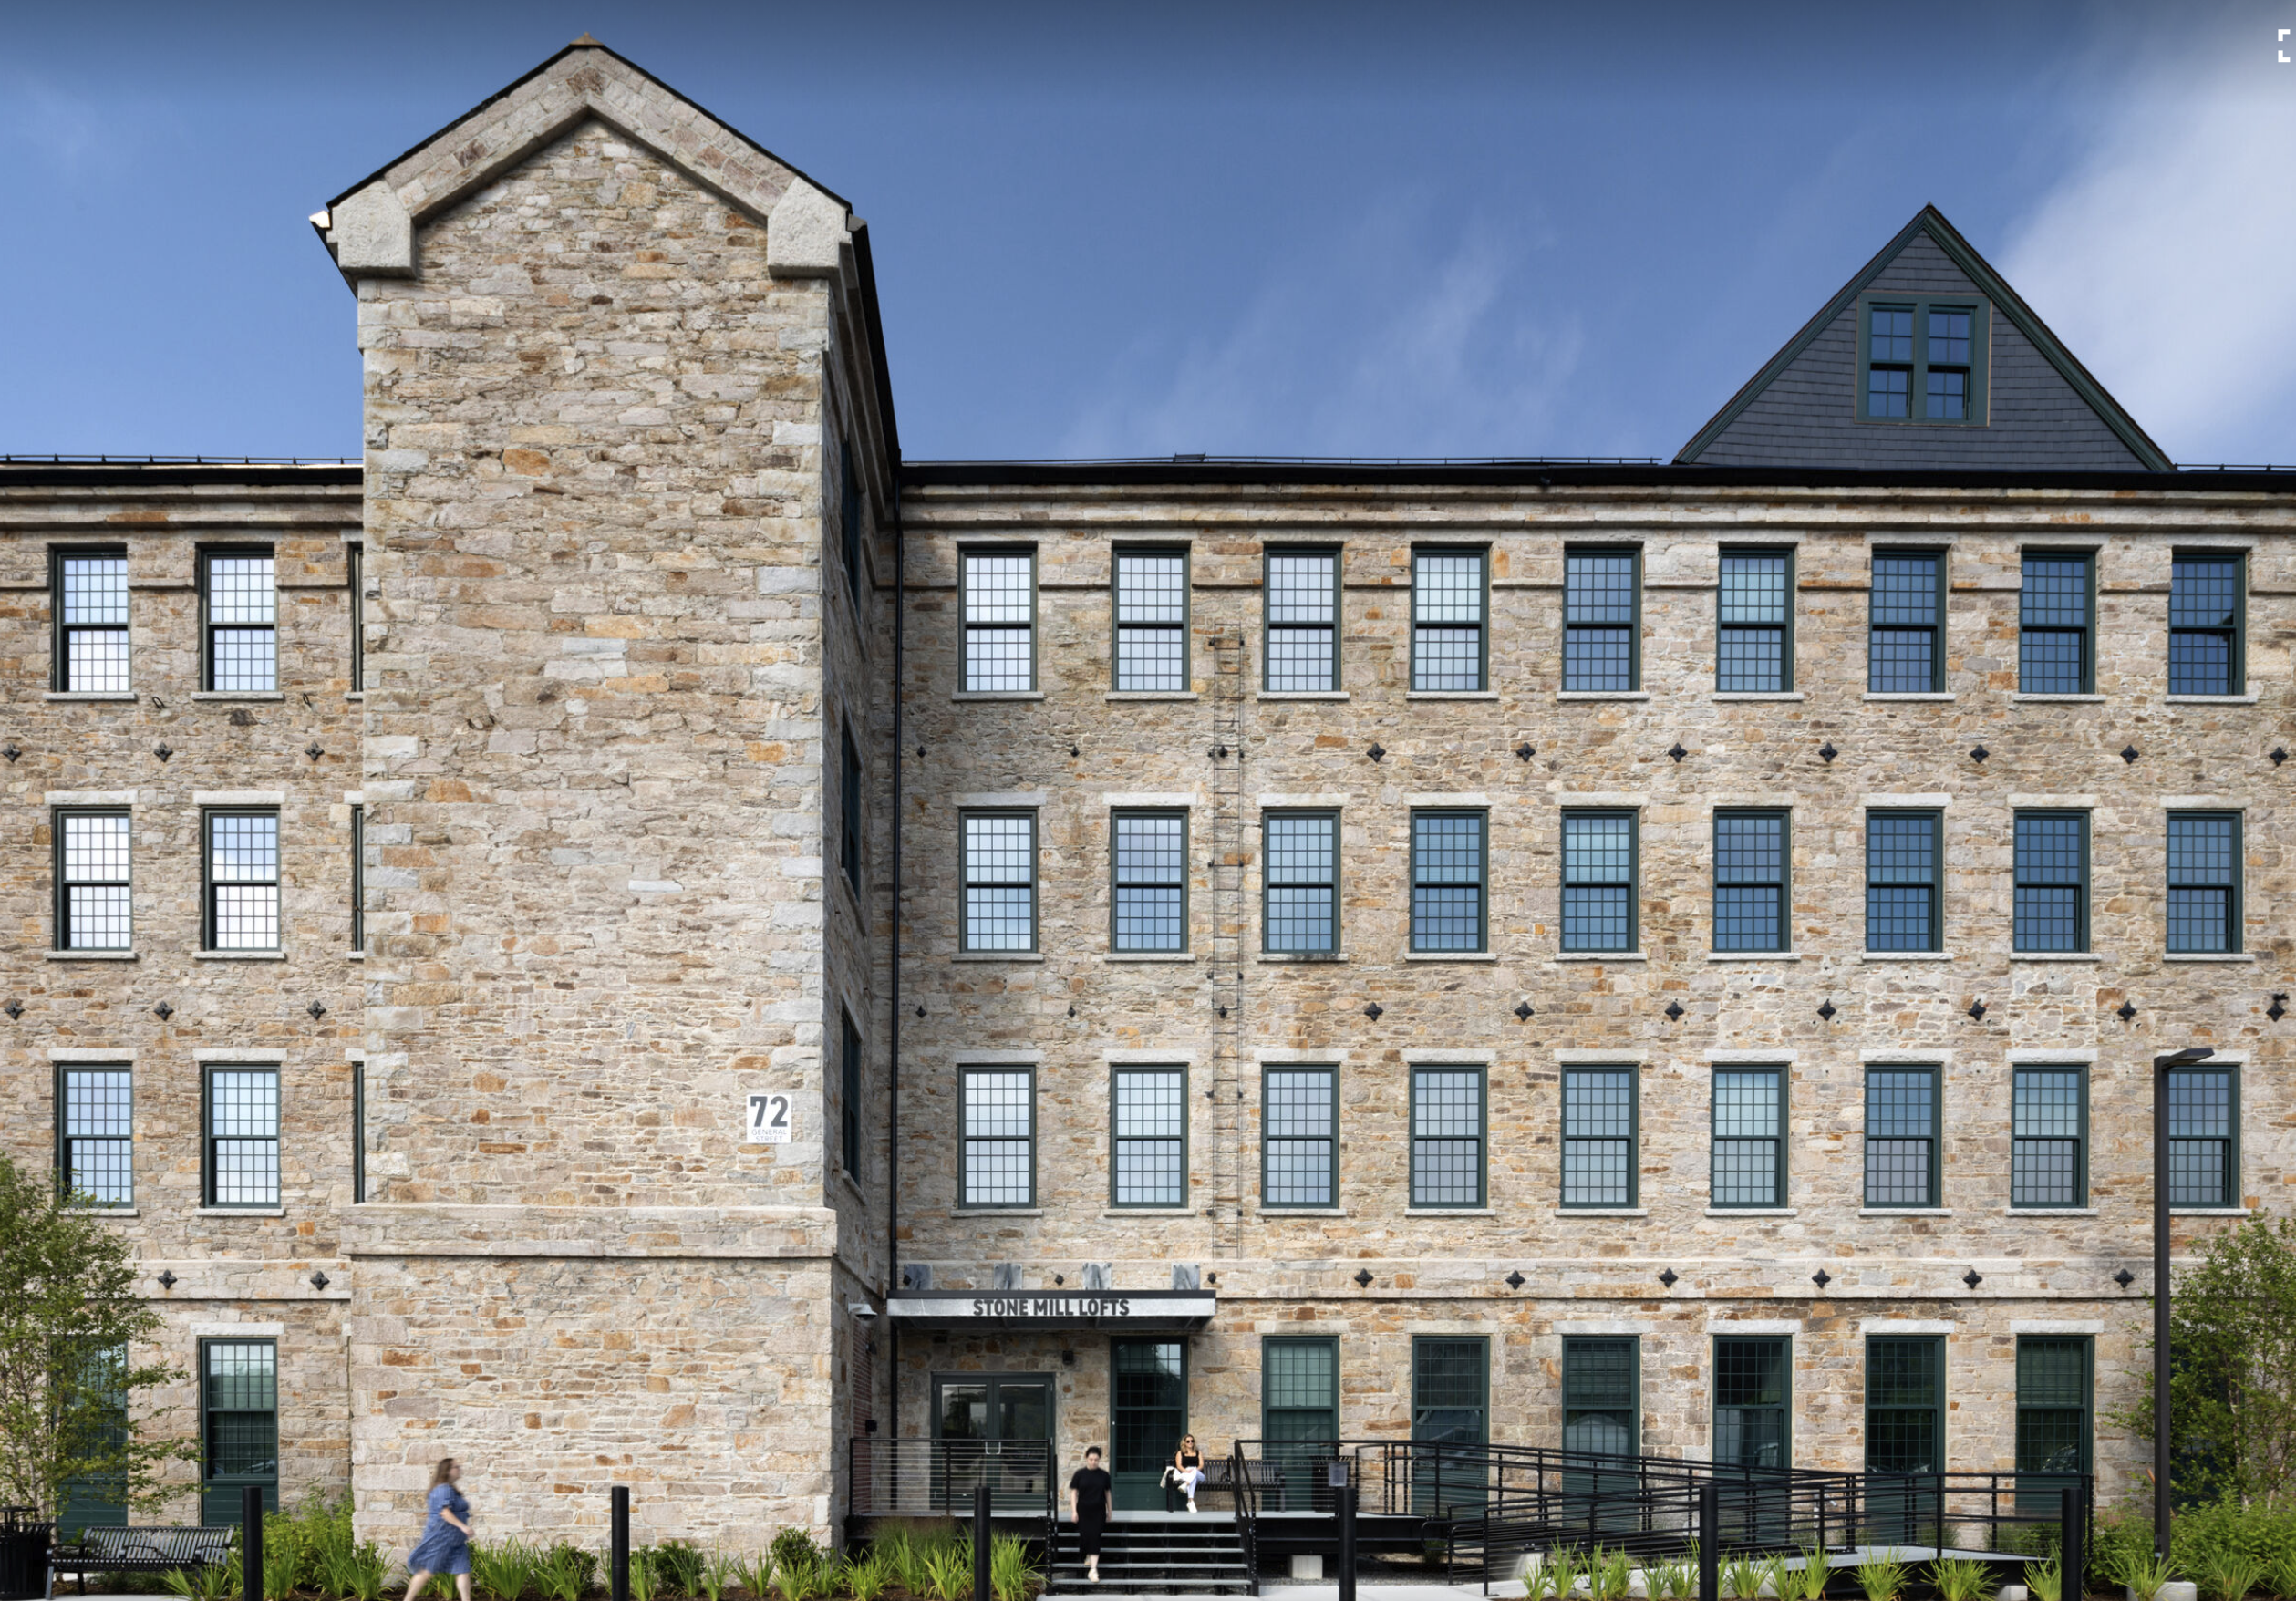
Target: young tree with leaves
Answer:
[[69, 1319], [2232, 1374]]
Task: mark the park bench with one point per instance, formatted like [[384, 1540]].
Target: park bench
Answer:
[[112, 1550]]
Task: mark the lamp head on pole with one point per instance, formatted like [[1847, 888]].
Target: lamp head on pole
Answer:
[[2185, 1057]]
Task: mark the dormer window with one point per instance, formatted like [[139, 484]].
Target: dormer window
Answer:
[[1923, 361]]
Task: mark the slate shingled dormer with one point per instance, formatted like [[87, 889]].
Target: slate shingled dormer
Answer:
[[2029, 404]]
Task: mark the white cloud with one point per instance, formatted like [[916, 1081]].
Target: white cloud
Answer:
[[2163, 258], [1388, 340]]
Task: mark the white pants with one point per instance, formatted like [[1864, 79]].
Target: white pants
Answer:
[[1187, 1478]]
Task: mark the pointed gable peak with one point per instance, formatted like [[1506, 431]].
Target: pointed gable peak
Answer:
[[370, 227], [1927, 360]]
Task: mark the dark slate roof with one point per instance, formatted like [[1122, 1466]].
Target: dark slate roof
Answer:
[[2044, 411]]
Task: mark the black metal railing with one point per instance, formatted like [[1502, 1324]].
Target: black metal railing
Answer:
[[1246, 1492], [919, 1477]]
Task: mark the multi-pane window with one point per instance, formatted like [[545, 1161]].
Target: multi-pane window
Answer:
[[2054, 647], [1750, 1378], [1901, 1136], [1753, 646], [1750, 873], [1000, 617], [1300, 1161], [1600, 651], [1905, 638], [1447, 642], [355, 582], [2052, 1404], [1599, 881], [1448, 865], [90, 602], [996, 1158], [242, 881], [1903, 882], [2203, 1114], [1150, 891], [849, 809], [1447, 1136], [239, 1407], [1302, 592], [243, 1136], [2204, 607], [358, 878], [242, 626], [1600, 1394], [849, 517], [358, 1130], [2051, 909], [2204, 881], [1000, 881], [95, 1132], [1303, 881], [1905, 1403], [2049, 1119], [1599, 1136], [1924, 361], [1148, 1137], [1152, 621], [1748, 1158], [92, 910], [849, 1053]]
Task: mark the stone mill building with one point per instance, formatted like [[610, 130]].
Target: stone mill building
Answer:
[[631, 934]]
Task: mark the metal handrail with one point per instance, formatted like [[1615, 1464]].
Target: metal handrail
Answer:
[[1244, 1492]]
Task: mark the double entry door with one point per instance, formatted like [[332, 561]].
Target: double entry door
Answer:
[[994, 1429]]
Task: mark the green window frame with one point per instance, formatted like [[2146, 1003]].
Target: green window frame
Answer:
[[239, 1425], [240, 1136], [1602, 619], [1450, 1127], [849, 807], [94, 878], [999, 867], [1148, 879], [1905, 881], [1923, 360], [2056, 1403], [239, 857], [1299, 1135], [849, 519], [1602, 1136], [2204, 881], [1753, 620], [1148, 602], [358, 877], [100, 1499], [1451, 1393], [358, 1132], [354, 587], [850, 1052], [2056, 621], [2051, 882], [1300, 889], [998, 602], [1602, 865], [1147, 1136], [1753, 1401], [1746, 1139], [1301, 616], [2208, 623], [1905, 623], [1753, 874], [1450, 614], [1451, 874], [95, 1132], [238, 620], [1904, 1135], [2204, 1136], [89, 605], [1602, 1394], [2048, 1136], [1905, 1403], [1299, 1415], [996, 1136]]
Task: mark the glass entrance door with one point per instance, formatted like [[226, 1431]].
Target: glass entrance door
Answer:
[[993, 1428], [1451, 1403], [1299, 1420], [1148, 1412]]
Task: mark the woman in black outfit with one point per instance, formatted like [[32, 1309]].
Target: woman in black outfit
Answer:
[[1188, 1473], [1088, 1494]]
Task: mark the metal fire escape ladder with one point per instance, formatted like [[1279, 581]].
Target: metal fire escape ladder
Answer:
[[1224, 849]]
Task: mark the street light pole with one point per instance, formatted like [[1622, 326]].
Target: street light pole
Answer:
[[2161, 1066]]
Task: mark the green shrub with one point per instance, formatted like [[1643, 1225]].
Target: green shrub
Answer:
[[1883, 1578], [678, 1567], [567, 1572], [505, 1571]]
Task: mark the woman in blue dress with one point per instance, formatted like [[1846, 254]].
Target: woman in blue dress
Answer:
[[445, 1546]]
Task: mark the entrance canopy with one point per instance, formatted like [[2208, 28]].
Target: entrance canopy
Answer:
[[1112, 1311]]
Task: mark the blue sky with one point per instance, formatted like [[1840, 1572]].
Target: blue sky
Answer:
[[1413, 229]]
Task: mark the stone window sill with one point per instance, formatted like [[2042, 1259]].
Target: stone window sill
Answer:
[[1753, 1212], [1599, 957], [1908, 695], [2248, 699], [2209, 957], [90, 695], [2209, 1211], [2057, 700], [1451, 956], [240, 1211], [1602, 1211], [2056, 956], [1754, 956], [239, 694], [1305, 958], [2048, 1211], [1602, 694], [1151, 956], [1757, 695], [1451, 694], [1302, 695], [1147, 1212], [998, 695], [1448, 1210], [354, 695], [1151, 695], [1304, 1212], [997, 956], [1905, 955], [239, 956], [1904, 1212], [91, 956], [117, 1211], [354, 956], [997, 1211]]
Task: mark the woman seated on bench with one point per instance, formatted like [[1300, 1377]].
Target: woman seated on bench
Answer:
[[1185, 1474]]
